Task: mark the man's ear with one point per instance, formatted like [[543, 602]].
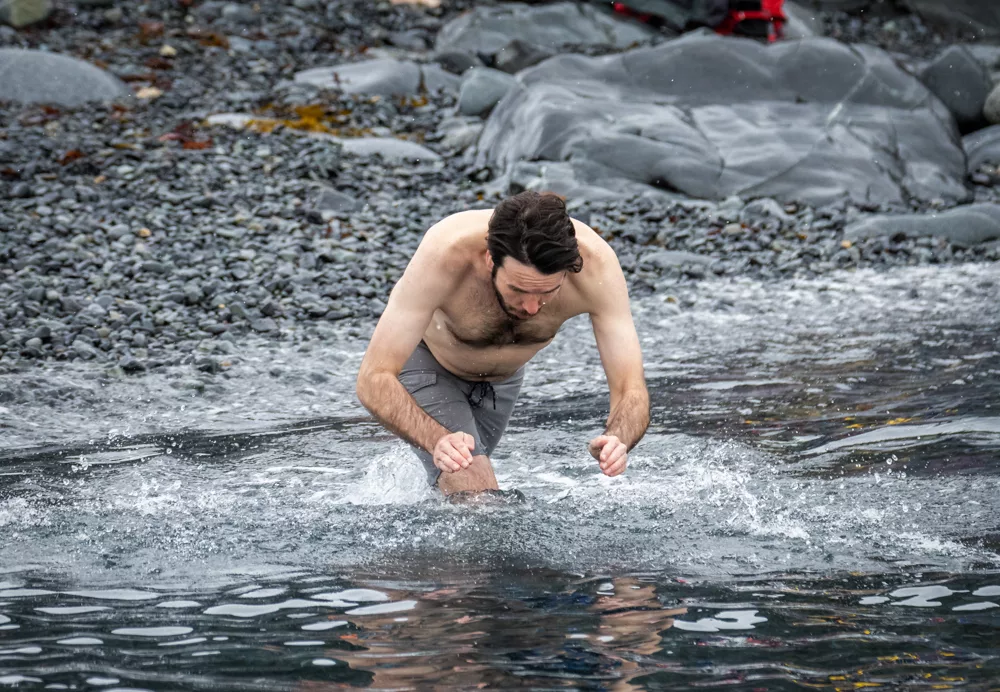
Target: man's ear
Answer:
[[489, 261]]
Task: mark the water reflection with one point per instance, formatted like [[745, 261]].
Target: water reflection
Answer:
[[447, 625]]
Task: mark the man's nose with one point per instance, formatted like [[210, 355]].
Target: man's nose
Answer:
[[532, 305]]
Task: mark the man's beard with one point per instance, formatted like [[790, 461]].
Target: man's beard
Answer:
[[503, 306]]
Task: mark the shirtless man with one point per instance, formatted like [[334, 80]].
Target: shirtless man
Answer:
[[484, 292]]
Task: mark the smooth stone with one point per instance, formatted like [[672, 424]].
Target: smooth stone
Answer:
[[801, 22], [979, 17], [482, 88], [962, 84], [519, 54], [385, 76], [240, 14], [84, 350], [329, 199], [961, 226], [20, 13], [389, 148], [668, 259], [487, 30], [457, 134], [457, 61], [33, 76], [982, 147], [264, 324], [991, 109], [436, 78], [408, 40]]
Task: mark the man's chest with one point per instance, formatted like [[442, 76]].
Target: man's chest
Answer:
[[475, 318]]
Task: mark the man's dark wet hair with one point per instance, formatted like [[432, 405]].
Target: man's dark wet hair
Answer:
[[534, 229]]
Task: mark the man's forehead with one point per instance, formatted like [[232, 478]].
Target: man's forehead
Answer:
[[529, 280]]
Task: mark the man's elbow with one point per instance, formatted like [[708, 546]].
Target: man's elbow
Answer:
[[363, 388]]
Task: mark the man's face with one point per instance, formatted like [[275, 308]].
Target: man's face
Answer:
[[523, 290]]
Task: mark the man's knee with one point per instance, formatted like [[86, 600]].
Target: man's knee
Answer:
[[479, 476]]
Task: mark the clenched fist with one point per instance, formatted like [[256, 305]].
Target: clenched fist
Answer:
[[453, 452], [611, 453]]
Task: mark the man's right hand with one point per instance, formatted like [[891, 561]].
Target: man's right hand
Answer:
[[453, 452]]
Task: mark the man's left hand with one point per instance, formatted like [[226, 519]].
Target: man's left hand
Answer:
[[611, 453]]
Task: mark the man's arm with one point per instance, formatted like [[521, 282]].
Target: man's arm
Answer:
[[621, 356], [428, 279]]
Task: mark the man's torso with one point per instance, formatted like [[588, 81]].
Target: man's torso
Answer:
[[471, 335]]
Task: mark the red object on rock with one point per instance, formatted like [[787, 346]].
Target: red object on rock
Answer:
[[622, 8], [760, 19], [763, 19]]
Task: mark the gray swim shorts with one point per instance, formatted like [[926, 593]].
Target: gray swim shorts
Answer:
[[480, 409]]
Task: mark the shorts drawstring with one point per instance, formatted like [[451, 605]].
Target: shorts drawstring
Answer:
[[484, 389]]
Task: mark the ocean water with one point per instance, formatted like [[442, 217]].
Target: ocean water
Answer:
[[815, 504]]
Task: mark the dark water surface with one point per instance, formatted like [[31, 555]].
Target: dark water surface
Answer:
[[815, 505]]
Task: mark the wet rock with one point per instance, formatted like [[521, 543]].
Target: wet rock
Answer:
[[801, 21], [667, 259], [328, 199], [457, 61], [457, 134], [240, 14], [19, 13], [842, 5], [84, 350], [389, 148], [20, 190], [982, 147], [762, 212], [665, 118], [519, 54], [33, 76], [384, 76], [387, 77], [130, 365], [486, 31], [409, 40], [991, 110], [209, 365], [977, 17], [962, 84], [482, 88], [264, 324], [962, 226]]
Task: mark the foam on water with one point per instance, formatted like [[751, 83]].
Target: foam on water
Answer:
[[748, 463]]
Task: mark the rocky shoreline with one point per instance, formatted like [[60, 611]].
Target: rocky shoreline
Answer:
[[138, 236]]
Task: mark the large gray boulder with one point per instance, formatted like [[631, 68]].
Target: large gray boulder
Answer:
[[962, 84], [962, 226], [382, 76], [35, 76], [489, 31], [977, 17], [812, 120]]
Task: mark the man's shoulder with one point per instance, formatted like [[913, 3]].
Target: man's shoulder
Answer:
[[454, 229], [451, 244], [598, 256]]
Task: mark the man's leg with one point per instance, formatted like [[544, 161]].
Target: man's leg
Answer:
[[479, 476], [445, 399]]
